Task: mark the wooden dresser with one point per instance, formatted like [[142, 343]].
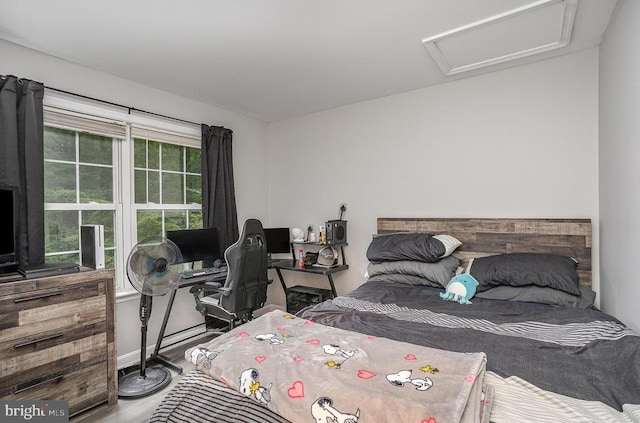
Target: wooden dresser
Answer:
[[57, 339]]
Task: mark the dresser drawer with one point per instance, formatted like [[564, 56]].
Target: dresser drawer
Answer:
[[73, 347], [36, 314], [46, 304], [82, 387]]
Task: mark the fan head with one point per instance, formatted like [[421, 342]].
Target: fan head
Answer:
[[152, 266]]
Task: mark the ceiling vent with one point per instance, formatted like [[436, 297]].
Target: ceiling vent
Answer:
[[532, 29]]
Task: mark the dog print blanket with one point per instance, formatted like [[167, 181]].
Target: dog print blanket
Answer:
[[308, 372]]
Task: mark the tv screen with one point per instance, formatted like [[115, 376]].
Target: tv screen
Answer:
[[8, 200], [196, 244], [277, 240]]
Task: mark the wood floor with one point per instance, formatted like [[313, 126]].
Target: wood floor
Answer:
[[140, 410]]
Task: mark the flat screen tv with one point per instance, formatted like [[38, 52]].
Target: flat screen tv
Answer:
[[8, 226], [197, 244]]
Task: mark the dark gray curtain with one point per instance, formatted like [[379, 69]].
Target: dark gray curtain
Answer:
[[22, 160], [218, 192]]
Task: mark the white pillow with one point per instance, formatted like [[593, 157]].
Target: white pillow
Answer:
[[450, 244]]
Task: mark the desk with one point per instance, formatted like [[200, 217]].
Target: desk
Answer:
[[292, 265], [184, 283]]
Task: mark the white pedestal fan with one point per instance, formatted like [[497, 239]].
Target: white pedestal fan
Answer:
[[152, 271]]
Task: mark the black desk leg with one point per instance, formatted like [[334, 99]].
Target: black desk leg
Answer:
[[333, 287], [284, 288], [156, 352]]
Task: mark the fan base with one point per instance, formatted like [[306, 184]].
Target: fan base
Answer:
[[135, 386]]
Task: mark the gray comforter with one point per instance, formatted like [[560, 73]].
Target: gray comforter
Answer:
[[579, 354]]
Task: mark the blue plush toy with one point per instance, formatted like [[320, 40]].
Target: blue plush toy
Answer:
[[461, 288]]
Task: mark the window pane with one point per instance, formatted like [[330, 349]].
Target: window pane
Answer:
[[154, 187], [195, 219], [73, 257], [110, 259], [59, 144], [193, 160], [140, 186], [101, 217], [59, 183], [172, 186], [154, 155], [149, 224], [174, 220], [96, 184], [139, 153], [61, 231], [194, 189], [172, 157], [96, 149]]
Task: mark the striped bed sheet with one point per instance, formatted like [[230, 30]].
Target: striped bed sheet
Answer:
[[197, 398]]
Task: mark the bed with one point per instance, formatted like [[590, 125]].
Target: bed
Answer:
[[395, 350]]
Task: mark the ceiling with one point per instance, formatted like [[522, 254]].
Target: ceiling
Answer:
[[276, 59]]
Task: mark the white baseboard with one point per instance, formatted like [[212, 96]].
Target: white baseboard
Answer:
[[133, 357]]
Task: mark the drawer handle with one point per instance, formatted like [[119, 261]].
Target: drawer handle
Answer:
[[35, 341], [55, 377], [37, 297]]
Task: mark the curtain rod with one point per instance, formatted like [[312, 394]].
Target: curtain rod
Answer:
[[129, 109]]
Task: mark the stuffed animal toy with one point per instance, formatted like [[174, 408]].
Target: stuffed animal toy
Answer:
[[461, 288]]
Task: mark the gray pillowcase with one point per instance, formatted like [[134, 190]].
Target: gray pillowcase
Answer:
[[522, 269], [537, 294], [406, 246], [405, 279], [440, 272]]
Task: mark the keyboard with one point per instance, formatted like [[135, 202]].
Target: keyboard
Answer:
[[194, 273]]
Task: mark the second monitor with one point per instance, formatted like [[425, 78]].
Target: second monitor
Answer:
[[278, 241], [197, 244]]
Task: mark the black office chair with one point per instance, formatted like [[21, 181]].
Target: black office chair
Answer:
[[245, 289]]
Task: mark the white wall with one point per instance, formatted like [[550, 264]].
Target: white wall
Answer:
[[619, 125], [249, 151], [516, 143]]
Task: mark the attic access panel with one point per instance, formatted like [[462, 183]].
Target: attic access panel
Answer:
[[532, 29]]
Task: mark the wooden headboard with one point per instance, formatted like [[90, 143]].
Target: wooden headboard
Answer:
[[482, 237]]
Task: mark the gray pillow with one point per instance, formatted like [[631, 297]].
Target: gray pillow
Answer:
[[537, 294], [441, 271], [405, 279], [406, 246], [522, 269]]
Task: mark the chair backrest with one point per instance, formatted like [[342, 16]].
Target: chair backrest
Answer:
[[247, 271]]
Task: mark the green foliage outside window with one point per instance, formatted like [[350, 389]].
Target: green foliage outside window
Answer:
[[61, 231], [166, 174], [79, 169], [149, 224]]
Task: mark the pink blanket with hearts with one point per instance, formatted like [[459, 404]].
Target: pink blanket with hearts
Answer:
[[307, 372]]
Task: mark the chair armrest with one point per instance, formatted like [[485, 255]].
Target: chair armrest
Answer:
[[205, 288], [202, 290]]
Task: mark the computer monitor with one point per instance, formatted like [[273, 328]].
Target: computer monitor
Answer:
[[277, 240], [197, 244]]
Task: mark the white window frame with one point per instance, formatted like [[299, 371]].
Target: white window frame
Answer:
[[125, 207]]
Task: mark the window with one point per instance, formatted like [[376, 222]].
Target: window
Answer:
[[137, 182], [167, 185]]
